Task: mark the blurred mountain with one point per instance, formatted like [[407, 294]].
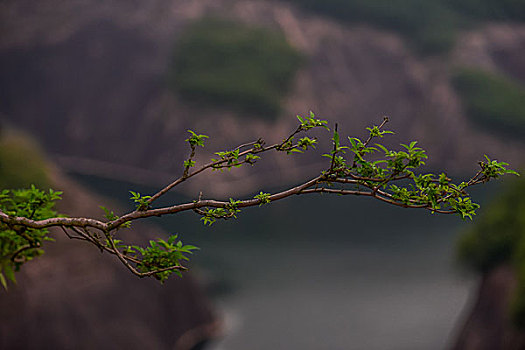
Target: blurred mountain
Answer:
[[88, 79]]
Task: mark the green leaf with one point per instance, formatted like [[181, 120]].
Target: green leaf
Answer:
[[3, 281], [108, 214], [335, 139], [9, 273], [263, 197], [191, 247], [189, 163], [196, 140]]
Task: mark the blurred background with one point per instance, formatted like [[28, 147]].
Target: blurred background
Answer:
[[96, 100]]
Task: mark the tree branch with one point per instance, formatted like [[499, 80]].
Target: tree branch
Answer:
[[363, 178]]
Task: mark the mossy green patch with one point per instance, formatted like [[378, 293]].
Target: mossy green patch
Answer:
[[491, 100], [22, 162], [430, 26], [232, 65]]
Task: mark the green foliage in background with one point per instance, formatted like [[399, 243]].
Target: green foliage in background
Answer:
[[233, 65], [21, 162], [498, 237], [502, 10], [492, 101], [429, 25]]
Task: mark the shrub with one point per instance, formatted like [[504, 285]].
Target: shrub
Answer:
[[21, 162], [492, 101], [430, 26], [233, 65]]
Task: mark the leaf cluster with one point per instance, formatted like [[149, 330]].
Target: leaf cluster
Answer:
[[389, 175], [141, 202], [159, 257], [210, 215], [264, 198], [20, 244], [196, 139]]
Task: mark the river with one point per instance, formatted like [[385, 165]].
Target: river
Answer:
[[327, 272]]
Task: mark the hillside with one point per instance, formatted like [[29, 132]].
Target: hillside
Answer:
[[88, 79]]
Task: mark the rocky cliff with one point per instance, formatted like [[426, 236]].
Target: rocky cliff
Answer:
[[488, 325], [87, 78]]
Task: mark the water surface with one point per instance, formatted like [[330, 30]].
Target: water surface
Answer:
[[327, 272]]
